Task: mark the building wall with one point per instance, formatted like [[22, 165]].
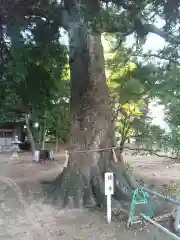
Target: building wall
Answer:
[[9, 131], [6, 136]]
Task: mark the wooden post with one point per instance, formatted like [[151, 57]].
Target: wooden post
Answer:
[[114, 156]]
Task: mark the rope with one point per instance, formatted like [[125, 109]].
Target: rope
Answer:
[[113, 148], [93, 150], [67, 153]]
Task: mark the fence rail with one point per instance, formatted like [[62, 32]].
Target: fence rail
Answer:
[[165, 230], [141, 196], [167, 198]]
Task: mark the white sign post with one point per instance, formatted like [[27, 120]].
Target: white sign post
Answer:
[[109, 190], [36, 155]]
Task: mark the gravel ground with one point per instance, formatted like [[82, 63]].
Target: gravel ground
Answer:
[[23, 216]]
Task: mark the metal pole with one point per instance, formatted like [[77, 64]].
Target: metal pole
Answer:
[[167, 198], [159, 226]]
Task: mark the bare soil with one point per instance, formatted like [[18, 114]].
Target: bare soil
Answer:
[[24, 216]]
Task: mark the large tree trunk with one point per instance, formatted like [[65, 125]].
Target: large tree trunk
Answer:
[[81, 183]]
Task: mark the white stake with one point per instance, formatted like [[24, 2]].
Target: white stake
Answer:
[[109, 190], [67, 158], [109, 208], [114, 156]]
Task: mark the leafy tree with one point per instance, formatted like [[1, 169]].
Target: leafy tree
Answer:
[[130, 92], [58, 118], [167, 90], [160, 81], [91, 126], [32, 79]]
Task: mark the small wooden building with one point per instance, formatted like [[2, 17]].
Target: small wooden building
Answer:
[[8, 130]]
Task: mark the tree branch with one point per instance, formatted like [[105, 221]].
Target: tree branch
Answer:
[[157, 56], [56, 14], [151, 151], [113, 27], [62, 18], [149, 28], [53, 12], [127, 5], [124, 137], [153, 29], [121, 110]]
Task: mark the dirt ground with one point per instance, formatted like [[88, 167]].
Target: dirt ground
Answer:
[[24, 216]]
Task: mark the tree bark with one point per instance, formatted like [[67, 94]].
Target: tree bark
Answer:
[[82, 181], [30, 135], [57, 141], [43, 137]]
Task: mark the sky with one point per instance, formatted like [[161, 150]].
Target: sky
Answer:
[[156, 111]]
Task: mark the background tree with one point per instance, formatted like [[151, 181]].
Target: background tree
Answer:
[[32, 79], [130, 86], [58, 119]]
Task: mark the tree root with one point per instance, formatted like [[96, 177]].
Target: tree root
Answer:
[[70, 189], [124, 183], [99, 193], [74, 190]]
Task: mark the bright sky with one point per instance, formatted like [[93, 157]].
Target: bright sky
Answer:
[[156, 111]]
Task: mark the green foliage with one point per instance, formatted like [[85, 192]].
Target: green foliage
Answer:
[[58, 118], [34, 63], [34, 80], [34, 73], [129, 85], [132, 87]]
